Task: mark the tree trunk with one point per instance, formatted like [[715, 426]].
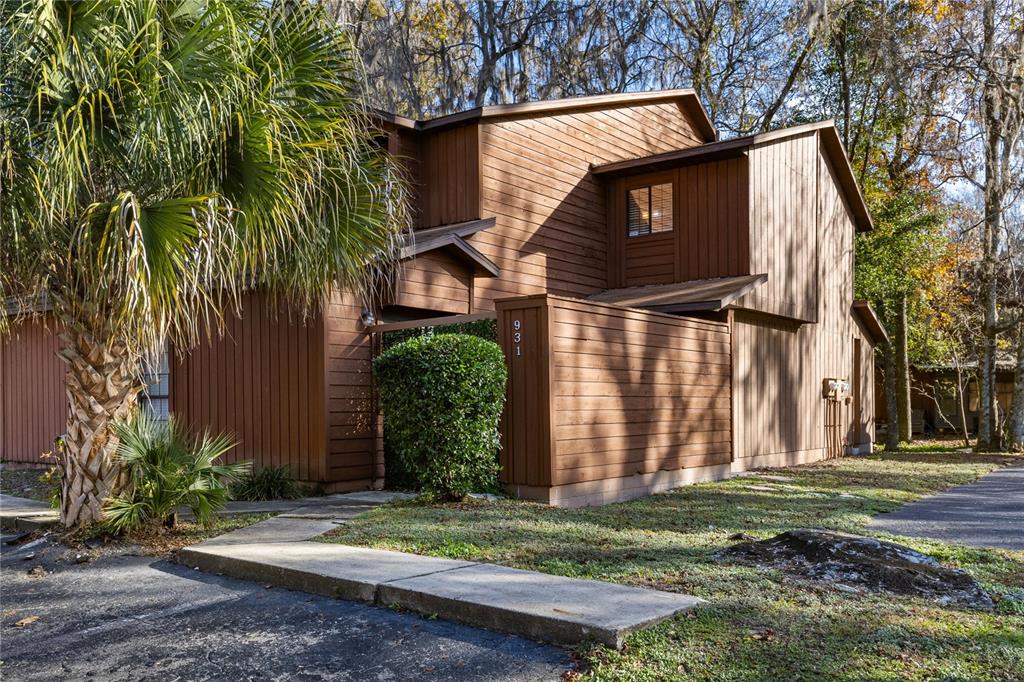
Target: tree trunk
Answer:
[[102, 386], [1016, 417], [892, 436], [961, 401], [989, 436], [902, 372]]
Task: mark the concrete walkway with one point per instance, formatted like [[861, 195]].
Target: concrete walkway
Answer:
[[23, 514], [986, 513], [535, 605]]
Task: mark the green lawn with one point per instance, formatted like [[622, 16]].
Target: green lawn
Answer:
[[759, 625]]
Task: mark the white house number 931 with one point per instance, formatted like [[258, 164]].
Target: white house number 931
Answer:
[[517, 335]]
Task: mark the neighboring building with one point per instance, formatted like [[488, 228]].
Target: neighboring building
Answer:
[[687, 306], [936, 393]]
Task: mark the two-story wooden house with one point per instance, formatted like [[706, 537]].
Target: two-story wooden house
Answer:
[[673, 307]]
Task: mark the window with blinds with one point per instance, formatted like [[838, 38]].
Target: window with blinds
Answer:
[[649, 210], [156, 395]]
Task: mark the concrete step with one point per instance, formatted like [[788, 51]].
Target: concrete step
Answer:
[[535, 605]]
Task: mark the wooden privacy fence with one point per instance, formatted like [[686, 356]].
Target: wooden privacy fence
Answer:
[[607, 403]]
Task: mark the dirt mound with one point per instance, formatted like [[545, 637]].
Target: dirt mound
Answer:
[[857, 561]]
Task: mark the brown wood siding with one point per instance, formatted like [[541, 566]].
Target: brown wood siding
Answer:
[[780, 364], [448, 175], [352, 424], [784, 237], [262, 382], [551, 232], [33, 405], [598, 392], [435, 281], [711, 235]]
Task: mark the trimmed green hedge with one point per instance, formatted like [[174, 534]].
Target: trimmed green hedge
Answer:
[[397, 476], [442, 397], [485, 329]]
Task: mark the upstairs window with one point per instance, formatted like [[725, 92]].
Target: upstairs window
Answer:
[[649, 210]]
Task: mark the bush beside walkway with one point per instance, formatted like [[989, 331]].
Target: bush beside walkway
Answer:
[[759, 624]]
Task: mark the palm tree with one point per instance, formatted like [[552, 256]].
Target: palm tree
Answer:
[[159, 158]]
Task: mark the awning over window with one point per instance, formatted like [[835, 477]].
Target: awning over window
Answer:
[[681, 297]]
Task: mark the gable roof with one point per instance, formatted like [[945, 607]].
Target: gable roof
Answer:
[[450, 239], [830, 141], [686, 98], [701, 295]]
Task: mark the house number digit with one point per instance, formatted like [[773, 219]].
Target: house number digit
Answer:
[[517, 335]]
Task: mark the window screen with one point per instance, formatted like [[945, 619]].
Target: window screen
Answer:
[[156, 395], [649, 210]]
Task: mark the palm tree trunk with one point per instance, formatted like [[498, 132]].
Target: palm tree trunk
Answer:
[[102, 386]]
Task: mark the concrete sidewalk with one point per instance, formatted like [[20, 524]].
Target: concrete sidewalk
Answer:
[[23, 514], [535, 605], [986, 513]]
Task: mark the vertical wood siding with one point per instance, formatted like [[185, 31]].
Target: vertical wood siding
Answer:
[[435, 281], [801, 234], [33, 405], [711, 232], [784, 234], [551, 232], [448, 176], [598, 392], [263, 382]]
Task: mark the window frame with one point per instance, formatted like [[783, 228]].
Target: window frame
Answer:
[[650, 181]]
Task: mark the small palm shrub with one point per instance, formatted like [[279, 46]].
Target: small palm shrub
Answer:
[[442, 397], [166, 469], [269, 483]]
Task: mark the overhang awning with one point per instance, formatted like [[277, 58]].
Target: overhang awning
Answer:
[[702, 295], [866, 314], [451, 239]]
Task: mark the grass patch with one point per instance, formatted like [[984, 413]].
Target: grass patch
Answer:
[[759, 625]]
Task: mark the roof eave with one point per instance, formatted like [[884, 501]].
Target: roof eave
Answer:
[[866, 314], [686, 98]]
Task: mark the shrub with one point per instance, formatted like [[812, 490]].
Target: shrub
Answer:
[[269, 483], [166, 470], [442, 397]]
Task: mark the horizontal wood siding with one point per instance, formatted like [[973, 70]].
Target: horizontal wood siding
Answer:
[[618, 392], [33, 405], [262, 382], [710, 237], [435, 281], [551, 233], [352, 424]]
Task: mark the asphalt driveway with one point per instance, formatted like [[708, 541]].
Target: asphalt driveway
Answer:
[[986, 513], [140, 618]]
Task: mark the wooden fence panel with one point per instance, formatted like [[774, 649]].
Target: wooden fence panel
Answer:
[[600, 392]]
